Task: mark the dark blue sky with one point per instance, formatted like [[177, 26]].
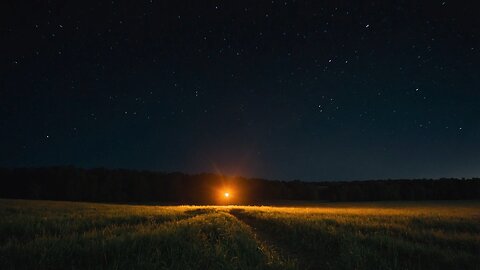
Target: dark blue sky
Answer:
[[275, 89]]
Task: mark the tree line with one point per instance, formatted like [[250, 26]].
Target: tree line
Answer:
[[119, 185]]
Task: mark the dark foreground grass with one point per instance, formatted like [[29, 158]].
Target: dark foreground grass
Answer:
[[65, 235]]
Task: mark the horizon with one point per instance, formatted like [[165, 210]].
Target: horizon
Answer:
[[231, 177]]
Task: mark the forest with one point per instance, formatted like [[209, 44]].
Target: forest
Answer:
[[133, 186]]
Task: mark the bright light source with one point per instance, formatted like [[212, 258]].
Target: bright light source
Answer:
[[226, 194]]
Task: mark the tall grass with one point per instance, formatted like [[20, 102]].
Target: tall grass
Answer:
[[53, 235], [377, 236], [66, 235]]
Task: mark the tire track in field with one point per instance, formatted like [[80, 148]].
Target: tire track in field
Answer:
[[274, 243]]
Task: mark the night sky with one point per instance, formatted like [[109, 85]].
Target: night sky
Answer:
[[311, 90]]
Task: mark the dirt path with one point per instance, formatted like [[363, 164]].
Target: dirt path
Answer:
[[273, 243]]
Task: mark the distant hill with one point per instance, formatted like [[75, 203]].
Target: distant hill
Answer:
[[118, 185]]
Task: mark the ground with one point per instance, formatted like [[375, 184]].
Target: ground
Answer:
[[387, 235]]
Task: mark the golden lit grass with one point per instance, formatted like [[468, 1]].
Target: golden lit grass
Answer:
[[420, 235], [65, 235], [387, 235], [428, 208]]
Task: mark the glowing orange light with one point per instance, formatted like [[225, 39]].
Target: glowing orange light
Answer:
[[226, 194]]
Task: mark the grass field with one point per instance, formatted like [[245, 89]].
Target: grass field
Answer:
[[410, 235]]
